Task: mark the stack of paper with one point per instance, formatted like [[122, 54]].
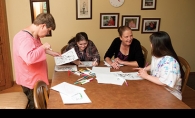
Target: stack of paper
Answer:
[[71, 94], [109, 78], [103, 75], [65, 68]]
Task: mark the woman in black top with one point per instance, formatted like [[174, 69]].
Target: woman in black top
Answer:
[[125, 49]]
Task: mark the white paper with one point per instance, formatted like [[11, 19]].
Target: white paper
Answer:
[[86, 64], [100, 69], [78, 98], [65, 68], [66, 88], [105, 63], [109, 78], [66, 57], [130, 76]]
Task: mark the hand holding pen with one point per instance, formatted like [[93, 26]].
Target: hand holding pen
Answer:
[[115, 64], [95, 62]]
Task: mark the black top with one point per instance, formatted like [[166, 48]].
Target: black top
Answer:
[[135, 51]]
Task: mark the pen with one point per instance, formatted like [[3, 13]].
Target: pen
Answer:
[[86, 81], [68, 72], [95, 60], [84, 77], [88, 69], [79, 81], [126, 82]]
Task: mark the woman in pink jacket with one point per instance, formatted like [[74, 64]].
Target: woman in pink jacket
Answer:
[[29, 54]]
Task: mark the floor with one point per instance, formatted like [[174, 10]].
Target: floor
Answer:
[[188, 95]]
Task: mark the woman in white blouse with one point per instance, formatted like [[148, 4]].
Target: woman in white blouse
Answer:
[[165, 68]]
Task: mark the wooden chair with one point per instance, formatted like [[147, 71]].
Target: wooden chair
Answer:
[[145, 52], [186, 67], [62, 50], [13, 100], [41, 95]]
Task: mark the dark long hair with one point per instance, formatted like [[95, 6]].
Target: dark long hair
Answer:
[[79, 37], [162, 46]]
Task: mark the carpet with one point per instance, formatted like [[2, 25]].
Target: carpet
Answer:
[[191, 80]]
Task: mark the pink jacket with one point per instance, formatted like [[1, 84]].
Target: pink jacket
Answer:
[[29, 60]]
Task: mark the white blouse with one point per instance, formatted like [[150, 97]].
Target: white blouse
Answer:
[[167, 69]]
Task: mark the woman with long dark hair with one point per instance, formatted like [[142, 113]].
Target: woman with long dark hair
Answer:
[[165, 68], [85, 49]]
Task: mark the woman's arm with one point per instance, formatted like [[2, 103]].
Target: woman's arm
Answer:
[[143, 74], [113, 49]]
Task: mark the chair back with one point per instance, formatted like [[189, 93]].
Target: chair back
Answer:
[[40, 95], [186, 67], [63, 49], [145, 52]]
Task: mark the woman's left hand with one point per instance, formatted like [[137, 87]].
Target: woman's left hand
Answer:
[[95, 63], [52, 53], [142, 73], [119, 61]]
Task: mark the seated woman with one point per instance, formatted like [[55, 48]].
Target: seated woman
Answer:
[[165, 68], [125, 49], [84, 48]]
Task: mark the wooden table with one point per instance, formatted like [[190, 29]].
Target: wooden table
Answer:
[[140, 94]]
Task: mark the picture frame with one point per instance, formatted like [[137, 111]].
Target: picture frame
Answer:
[[150, 25], [83, 9], [133, 21], [109, 20], [148, 5], [37, 7]]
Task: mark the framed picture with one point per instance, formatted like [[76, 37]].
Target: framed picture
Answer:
[[109, 20], [150, 25], [83, 9], [37, 7], [148, 5], [133, 21]]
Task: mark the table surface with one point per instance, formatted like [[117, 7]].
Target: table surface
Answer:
[[139, 94]]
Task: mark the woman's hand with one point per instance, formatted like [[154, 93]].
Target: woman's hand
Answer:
[[142, 73], [77, 62], [53, 53], [95, 63], [115, 65], [119, 61]]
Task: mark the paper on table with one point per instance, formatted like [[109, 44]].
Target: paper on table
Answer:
[[66, 57], [77, 98], [66, 88], [130, 76], [109, 78], [105, 63], [100, 69], [86, 64], [65, 68]]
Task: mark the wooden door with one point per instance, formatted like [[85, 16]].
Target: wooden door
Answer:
[[6, 73]]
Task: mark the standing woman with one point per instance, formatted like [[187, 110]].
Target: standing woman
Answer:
[[29, 54], [84, 48], [165, 68], [125, 49]]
